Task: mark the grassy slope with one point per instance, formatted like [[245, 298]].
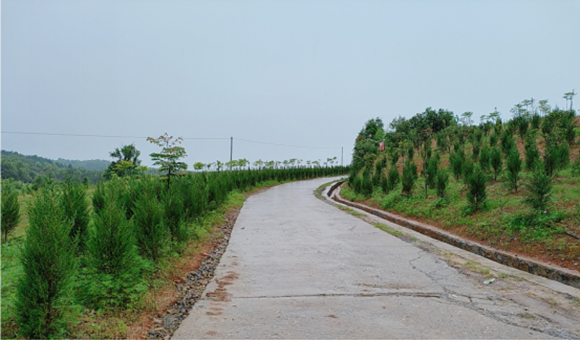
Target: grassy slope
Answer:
[[492, 225]]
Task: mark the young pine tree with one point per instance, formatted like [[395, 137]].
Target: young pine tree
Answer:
[[113, 262], [484, 158], [467, 170], [496, 162], [456, 164], [48, 262], [75, 208], [442, 181], [513, 168], [539, 188], [393, 177], [151, 232], [384, 183], [476, 149], [408, 178], [476, 196], [532, 152], [10, 211]]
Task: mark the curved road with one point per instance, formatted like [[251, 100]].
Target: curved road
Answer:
[[299, 268]]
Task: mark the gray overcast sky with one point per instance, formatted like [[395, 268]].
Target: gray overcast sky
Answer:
[[306, 73]]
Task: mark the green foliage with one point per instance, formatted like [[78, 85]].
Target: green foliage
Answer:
[[10, 210], [477, 195], [538, 225], [408, 178], [151, 231], [43, 293], [507, 142], [442, 181], [493, 139], [113, 273], [513, 169], [467, 170], [75, 207], [536, 120], [476, 149], [484, 158], [456, 161], [431, 172], [393, 177], [539, 188], [127, 162], [174, 214], [384, 183], [367, 141], [556, 156], [168, 158], [496, 162], [532, 152]]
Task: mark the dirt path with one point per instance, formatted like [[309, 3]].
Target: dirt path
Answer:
[[299, 268]]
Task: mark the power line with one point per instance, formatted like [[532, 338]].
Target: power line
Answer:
[[113, 136], [185, 138]]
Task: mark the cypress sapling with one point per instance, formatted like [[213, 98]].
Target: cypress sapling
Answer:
[[48, 262]]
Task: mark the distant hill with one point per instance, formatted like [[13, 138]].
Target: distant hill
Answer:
[[95, 165], [26, 168]]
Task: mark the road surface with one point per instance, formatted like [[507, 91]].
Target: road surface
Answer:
[[299, 268]]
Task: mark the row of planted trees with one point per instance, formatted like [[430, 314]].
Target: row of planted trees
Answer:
[[259, 164], [477, 155], [99, 253]]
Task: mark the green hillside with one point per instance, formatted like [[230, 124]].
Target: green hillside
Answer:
[[26, 168], [511, 185]]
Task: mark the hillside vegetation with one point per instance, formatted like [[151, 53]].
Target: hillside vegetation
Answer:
[[512, 185], [31, 169]]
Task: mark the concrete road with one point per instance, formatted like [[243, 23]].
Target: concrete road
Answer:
[[299, 268]]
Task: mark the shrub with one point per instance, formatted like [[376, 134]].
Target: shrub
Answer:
[[476, 196], [10, 211], [48, 262]]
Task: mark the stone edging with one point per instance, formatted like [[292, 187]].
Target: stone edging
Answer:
[[568, 277]]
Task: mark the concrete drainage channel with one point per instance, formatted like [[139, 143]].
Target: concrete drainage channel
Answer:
[[568, 277]]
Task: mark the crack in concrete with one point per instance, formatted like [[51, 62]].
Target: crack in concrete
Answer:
[[406, 294]]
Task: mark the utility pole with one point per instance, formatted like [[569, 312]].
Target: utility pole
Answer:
[[231, 147], [341, 163]]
